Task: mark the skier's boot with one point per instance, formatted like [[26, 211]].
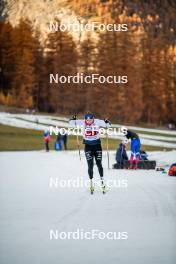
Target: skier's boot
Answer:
[[103, 186], [91, 187], [104, 189]]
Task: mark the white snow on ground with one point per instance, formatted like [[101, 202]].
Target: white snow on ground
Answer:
[[10, 120], [30, 208], [163, 158], [41, 122], [159, 131], [163, 138]]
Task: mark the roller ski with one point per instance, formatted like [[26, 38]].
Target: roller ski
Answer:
[[91, 188], [103, 187]]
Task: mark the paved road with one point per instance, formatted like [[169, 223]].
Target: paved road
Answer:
[[140, 208]]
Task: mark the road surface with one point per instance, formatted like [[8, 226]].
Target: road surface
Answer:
[[33, 207]]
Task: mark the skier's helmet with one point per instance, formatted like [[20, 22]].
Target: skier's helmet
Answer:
[[89, 118], [123, 131]]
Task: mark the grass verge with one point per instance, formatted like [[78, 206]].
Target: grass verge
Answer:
[[21, 139]]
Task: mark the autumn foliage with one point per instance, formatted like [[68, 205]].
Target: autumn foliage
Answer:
[[146, 54]]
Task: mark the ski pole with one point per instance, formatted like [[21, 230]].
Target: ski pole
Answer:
[[121, 158], [78, 143], [107, 147]]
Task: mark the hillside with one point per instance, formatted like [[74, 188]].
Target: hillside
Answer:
[[145, 55]]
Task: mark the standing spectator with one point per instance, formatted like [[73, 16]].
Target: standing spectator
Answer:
[[58, 143], [64, 139], [47, 139], [135, 146]]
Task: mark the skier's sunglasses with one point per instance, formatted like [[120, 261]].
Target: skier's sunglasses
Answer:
[[89, 121]]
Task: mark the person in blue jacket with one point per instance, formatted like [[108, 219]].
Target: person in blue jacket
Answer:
[[121, 154], [143, 155], [58, 143], [135, 146]]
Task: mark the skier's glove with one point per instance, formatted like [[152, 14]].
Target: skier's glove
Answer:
[[107, 121], [74, 117]]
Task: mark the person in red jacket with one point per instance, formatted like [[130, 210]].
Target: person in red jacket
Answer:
[[172, 170], [47, 139]]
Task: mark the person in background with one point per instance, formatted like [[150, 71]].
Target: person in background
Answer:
[[64, 140], [121, 154], [135, 146], [172, 170], [58, 143], [143, 155], [47, 139]]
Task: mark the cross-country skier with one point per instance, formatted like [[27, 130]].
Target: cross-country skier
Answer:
[[135, 146], [91, 140]]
